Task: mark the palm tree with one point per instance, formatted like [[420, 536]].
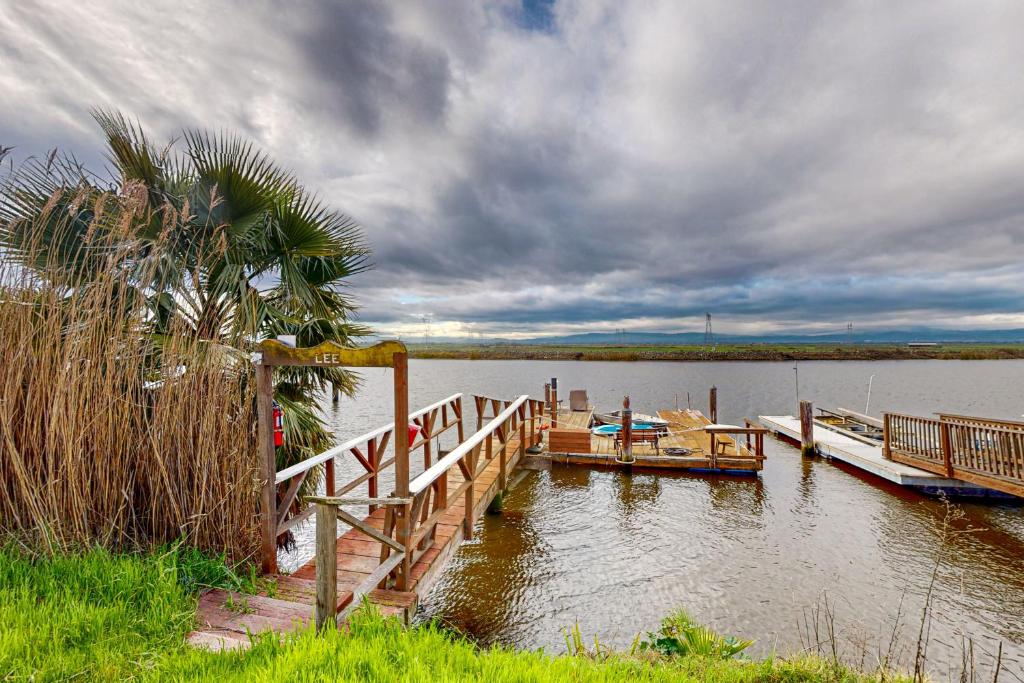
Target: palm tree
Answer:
[[230, 248]]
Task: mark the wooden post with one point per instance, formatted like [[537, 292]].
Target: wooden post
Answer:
[[522, 432], [547, 395], [329, 485], [335, 393], [886, 434], [947, 448], [627, 431], [713, 404], [554, 402], [374, 459], [402, 533], [268, 467], [401, 437], [428, 427], [460, 428], [467, 523], [806, 428], [326, 566]]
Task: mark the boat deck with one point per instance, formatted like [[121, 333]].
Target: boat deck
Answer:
[[865, 456], [685, 432]]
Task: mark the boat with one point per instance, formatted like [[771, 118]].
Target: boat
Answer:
[[858, 426], [615, 418]]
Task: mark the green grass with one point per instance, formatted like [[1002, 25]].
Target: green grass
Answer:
[[722, 352], [103, 616]]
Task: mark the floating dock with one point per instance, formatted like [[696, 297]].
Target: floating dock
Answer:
[[869, 458], [687, 445]]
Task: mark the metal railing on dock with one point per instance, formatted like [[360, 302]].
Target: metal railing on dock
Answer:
[[989, 453]]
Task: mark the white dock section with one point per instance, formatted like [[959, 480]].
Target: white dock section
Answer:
[[832, 444]]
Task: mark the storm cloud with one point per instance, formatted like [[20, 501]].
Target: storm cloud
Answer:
[[525, 168]]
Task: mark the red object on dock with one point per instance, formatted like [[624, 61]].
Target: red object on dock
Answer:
[[278, 425], [413, 431]]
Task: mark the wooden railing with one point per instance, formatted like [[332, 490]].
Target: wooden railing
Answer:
[[367, 449], [410, 522], [535, 414], [985, 452], [753, 448]]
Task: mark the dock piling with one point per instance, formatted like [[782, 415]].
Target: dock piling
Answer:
[[713, 404], [626, 457], [807, 428], [554, 402]]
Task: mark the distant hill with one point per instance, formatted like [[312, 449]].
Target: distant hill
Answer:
[[922, 334]]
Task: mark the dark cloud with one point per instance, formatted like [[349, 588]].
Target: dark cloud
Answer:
[[533, 166], [365, 72]]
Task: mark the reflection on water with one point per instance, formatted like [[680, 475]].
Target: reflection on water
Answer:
[[746, 555]]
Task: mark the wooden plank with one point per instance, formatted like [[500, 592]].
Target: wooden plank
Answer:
[[289, 498], [370, 584], [356, 500], [268, 468], [332, 354], [368, 530], [326, 565]]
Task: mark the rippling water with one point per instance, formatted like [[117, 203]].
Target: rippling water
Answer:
[[750, 556]]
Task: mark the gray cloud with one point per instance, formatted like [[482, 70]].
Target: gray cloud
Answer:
[[600, 163]]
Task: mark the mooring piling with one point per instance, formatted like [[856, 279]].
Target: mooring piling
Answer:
[[554, 402], [807, 428]]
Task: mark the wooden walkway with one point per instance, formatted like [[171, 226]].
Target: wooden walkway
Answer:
[[225, 619]]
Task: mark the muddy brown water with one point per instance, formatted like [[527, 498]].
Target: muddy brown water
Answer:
[[757, 557]]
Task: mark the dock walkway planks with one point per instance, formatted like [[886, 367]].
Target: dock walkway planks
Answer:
[[224, 619], [865, 456]]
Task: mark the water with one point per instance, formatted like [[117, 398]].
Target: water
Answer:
[[754, 557]]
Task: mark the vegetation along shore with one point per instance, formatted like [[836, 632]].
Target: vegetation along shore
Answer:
[[747, 352], [101, 615]]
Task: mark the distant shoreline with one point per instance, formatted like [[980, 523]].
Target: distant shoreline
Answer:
[[748, 352]]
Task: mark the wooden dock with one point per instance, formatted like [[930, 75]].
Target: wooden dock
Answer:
[[869, 458], [224, 619], [688, 445], [392, 555]]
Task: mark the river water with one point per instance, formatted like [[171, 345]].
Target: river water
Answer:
[[761, 558]]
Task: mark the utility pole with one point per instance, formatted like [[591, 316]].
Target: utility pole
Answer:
[[426, 329], [709, 337]]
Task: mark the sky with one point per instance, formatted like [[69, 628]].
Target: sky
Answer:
[[534, 168]]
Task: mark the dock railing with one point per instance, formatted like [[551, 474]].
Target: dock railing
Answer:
[[989, 453], [410, 522], [753, 448], [367, 449]]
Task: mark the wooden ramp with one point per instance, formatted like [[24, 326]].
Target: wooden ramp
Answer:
[[867, 457], [225, 619]]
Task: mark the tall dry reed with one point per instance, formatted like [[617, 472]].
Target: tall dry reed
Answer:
[[109, 433]]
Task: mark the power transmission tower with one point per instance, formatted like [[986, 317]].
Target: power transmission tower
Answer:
[[426, 329], [709, 337], [849, 333]]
